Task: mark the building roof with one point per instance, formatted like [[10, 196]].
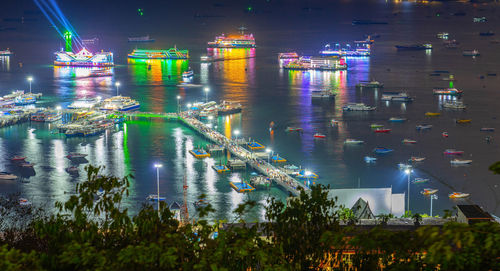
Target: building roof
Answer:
[[361, 210], [473, 212], [380, 200]]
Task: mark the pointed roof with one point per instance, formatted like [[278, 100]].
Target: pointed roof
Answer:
[[361, 210], [175, 206]]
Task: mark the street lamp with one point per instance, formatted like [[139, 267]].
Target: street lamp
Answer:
[[307, 173], [408, 172], [432, 197], [58, 108], [236, 133], [158, 166], [117, 84], [178, 104], [268, 154], [206, 94], [30, 78]]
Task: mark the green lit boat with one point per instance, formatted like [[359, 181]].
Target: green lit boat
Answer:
[[172, 53]]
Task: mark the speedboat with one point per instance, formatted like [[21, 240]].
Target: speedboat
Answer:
[[318, 135], [376, 125], [73, 155], [487, 129], [463, 121], [416, 159], [369, 84], [423, 127], [18, 158], [420, 180], [458, 195], [293, 129], [154, 197], [353, 141], [358, 107], [432, 114], [369, 159], [428, 191], [460, 162], [397, 119], [453, 152], [409, 141], [7, 176], [382, 130], [382, 150]]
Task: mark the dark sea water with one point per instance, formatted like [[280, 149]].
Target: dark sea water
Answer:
[[267, 94]]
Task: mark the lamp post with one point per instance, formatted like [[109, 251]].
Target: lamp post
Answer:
[[268, 154], [307, 173], [30, 78], [158, 166], [236, 133], [408, 172], [206, 94], [178, 104], [432, 197], [117, 84]]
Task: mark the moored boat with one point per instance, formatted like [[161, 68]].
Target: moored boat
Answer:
[[120, 103], [357, 107], [420, 180], [396, 97], [409, 141], [154, 197], [318, 135], [85, 103], [374, 125], [458, 195], [447, 91], [453, 152], [393, 119], [454, 105], [73, 155], [353, 141], [187, 74], [432, 114], [382, 130], [414, 47], [369, 84], [7, 176], [487, 129], [382, 150], [18, 158], [369, 159], [428, 191], [423, 127], [463, 121], [460, 162], [444, 134]]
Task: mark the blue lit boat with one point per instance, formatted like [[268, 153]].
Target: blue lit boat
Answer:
[[397, 119], [25, 100], [382, 150]]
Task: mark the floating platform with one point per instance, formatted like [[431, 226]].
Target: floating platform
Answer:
[[278, 159], [254, 145], [241, 187], [220, 168], [199, 153]]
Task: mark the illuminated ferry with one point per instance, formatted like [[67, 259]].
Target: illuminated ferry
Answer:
[[84, 59], [360, 49], [120, 103], [233, 41], [330, 63], [171, 53], [6, 52]]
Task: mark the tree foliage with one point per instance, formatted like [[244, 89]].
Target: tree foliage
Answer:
[[93, 231]]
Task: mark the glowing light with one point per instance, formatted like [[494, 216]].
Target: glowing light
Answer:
[[158, 165], [268, 150], [407, 171], [236, 132]]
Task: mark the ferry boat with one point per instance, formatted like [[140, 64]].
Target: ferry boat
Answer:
[[458, 195], [454, 105], [414, 47], [233, 41], [382, 130], [460, 162], [172, 53], [120, 103], [322, 94], [6, 52], [227, 108], [25, 99], [393, 119], [396, 97], [84, 59], [453, 152], [141, 39], [85, 103], [321, 63], [423, 127], [353, 141], [409, 141], [290, 55], [318, 135], [447, 91], [357, 107], [369, 84], [7, 176], [471, 52], [428, 191], [360, 49], [382, 150]]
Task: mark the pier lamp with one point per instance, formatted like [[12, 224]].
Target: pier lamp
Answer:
[[58, 109], [268, 154], [308, 174], [117, 84], [236, 133], [408, 171], [178, 104], [158, 166], [206, 94], [30, 79]]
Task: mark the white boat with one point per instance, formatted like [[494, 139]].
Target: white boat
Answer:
[[7, 176], [397, 119], [460, 162], [416, 159], [369, 84], [454, 105], [120, 103], [188, 74], [154, 197], [73, 155], [428, 191], [423, 127], [442, 35], [369, 159], [396, 97], [458, 195], [409, 141], [470, 53], [85, 103], [322, 94], [358, 107], [353, 141]]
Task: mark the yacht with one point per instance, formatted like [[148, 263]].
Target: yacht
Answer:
[[358, 107]]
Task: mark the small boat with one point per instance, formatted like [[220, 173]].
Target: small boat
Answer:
[[414, 47], [353, 141], [453, 152], [419, 180], [409, 141], [293, 129], [24, 202], [432, 114], [382, 130], [447, 91], [460, 162], [18, 158], [397, 119], [320, 94], [318, 135], [73, 155], [423, 127], [369, 159], [154, 197], [458, 195], [487, 129], [396, 97], [428, 191], [454, 105], [470, 53], [403, 166], [72, 170], [26, 165], [444, 134], [463, 121], [7, 176], [382, 150], [369, 84], [416, 159], [376, 125], [357, 107]]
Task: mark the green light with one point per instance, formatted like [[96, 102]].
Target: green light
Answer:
[[249, 8], [67, 37]]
